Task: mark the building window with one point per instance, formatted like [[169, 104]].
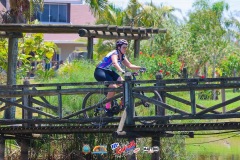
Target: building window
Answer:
[[54, 13]]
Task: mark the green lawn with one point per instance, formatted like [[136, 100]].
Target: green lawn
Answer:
[[222, 145]]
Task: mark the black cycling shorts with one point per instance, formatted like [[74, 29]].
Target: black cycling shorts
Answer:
[[105, 75]]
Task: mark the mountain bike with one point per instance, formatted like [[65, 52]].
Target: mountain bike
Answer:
[[94, 104]]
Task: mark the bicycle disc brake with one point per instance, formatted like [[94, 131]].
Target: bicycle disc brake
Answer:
[[115, 109], [98, 110]]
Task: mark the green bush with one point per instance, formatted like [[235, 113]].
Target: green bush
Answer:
[[169, 66]]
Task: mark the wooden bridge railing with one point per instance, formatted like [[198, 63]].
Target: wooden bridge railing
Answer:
[[30, 96]]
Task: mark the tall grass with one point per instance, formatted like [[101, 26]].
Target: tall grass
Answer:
[[77, 71]]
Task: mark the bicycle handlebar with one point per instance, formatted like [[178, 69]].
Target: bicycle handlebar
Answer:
[[142, 69], [134, 74]]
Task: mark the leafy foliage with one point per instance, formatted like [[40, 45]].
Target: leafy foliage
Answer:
[[207, 32], [33, 49], [44, 74], [103, 47], [3, 53], [169, 66], [97, 6], [229, 64]]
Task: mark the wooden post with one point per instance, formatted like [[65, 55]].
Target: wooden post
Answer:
[[235, 75], [156, 140], [25, 115], [185, 74], [193, 101], [129, 104], [136, 48], [90, 48], [12, 69], [223, 97], [24, 149], [26, 102], [128, 99], [192, 93], [2, 147], [159, 77], [59, 103]]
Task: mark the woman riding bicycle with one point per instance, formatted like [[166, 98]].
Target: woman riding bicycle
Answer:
[[111, 65]]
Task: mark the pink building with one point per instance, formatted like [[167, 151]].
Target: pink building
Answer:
[[72, 12]]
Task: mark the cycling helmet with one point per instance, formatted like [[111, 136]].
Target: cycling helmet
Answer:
[[120, 42]]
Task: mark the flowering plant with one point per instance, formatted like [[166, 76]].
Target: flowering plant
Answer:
[[169, 66]]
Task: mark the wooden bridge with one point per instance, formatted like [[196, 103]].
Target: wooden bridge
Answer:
[[45, 112]]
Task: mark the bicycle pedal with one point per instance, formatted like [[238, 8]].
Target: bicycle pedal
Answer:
[[122, 107]]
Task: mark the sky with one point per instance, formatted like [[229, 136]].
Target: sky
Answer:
[[184, 5]]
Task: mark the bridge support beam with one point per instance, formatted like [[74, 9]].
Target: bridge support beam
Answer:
[[140, 134], [129, 100], [136, 48], [2, 147], [90, 48], [156, 142], [24, 143], [129, 104], [193, 101], [159, 111], [24, 149]]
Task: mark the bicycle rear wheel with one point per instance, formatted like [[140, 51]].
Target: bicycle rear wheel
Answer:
[[92, 103], [146, 109]]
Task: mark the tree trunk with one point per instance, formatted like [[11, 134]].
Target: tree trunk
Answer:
[[11, 72], [12, 54], [214, 95]]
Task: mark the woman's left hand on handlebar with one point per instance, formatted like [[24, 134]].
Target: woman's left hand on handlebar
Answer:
[[143, 69]]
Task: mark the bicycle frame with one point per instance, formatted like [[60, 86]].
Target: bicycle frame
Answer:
[[88, 102]]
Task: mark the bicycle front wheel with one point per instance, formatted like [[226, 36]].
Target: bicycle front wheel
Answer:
[[146, 109], [93, 106]]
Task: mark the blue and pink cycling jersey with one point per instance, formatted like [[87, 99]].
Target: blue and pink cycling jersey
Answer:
[[106, 62]]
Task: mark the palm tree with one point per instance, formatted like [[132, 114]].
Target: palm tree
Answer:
[[22, 10], [112, 16], [97, 6], [148, 15]]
